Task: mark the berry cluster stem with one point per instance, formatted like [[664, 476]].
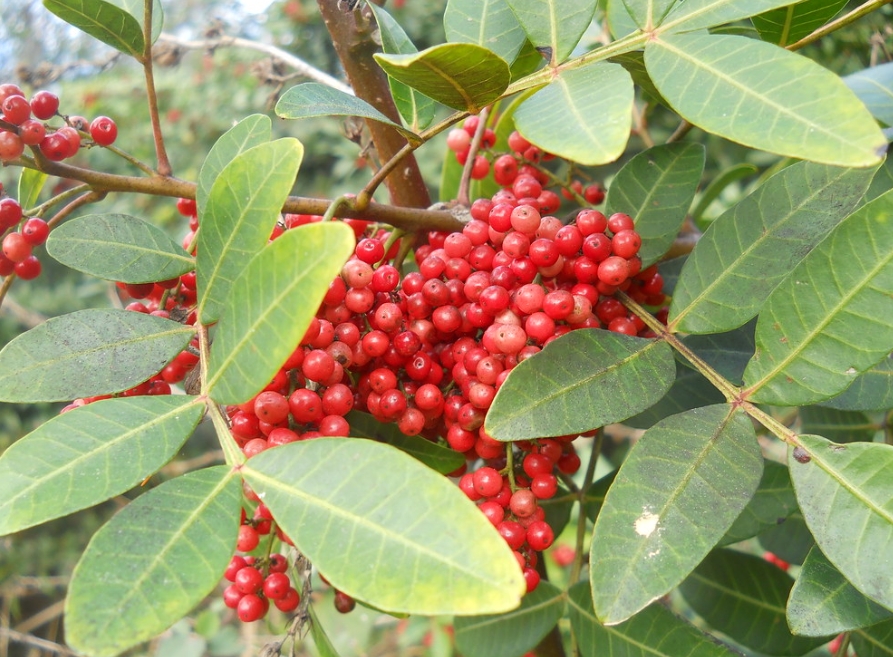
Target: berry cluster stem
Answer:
[[594, 453]]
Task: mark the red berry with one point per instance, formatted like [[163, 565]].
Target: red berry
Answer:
[[11, 146], [10, 213], [103, 130], [487, 481], [251, 608], [35, 231], [248, 580], [44, 105], [248, 538], [539, 535], [289, 601], [16, 247], [16, 109], [32, 132], [277, 585], [344, 603]]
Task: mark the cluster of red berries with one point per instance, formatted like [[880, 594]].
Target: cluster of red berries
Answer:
[[21, 124], [19, 240], [257, 582]]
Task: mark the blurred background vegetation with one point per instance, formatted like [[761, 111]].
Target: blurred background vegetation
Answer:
[[202, 93]]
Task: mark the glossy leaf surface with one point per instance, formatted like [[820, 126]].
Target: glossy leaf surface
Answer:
[[102, 20], [153, 562], [751, 247], [773, 501], [488, 23], [830, 319], [583, 380], [789, 24], [271, 305], [824, 603], [512, 633], [656, 188], [846, 495], [90, 454], [781, 102], [241, 211], [382, 539], [556, 25], [743, 596], [118, 247], [86, 353], [677, 493], [463, 76], [575, 96]]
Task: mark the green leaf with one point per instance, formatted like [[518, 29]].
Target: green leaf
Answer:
[[871, 391], [773, 501], [790, 540], [554, 26], [837, 426], [118, 247], [648, 14], [583, 380], [153, 562], [559, 117], [716, 187], [727, 353], [789, 24], [634, 63], [653, 632], [381, 539], [558, 508], [86, 353], [594, 498], [751, 247], [690, 390], [270, 306], [437, 457], [463, 76], [619, 20], [781, 102], [829, 320], [311, 99], [882, 181], [875, 641], [846, 495], [240, 214], [515, 632], [416, 109], [320, 639], [656, 188], [251, 131], [137, 9], [677, 493], [824, 603], [693, 15], [104, 21], [488, 23], [743, 596], [31, 183], [90, 454], [874, 87]]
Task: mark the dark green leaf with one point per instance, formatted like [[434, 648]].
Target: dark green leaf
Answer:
[[270, 306], [882, 181], [512, 633], [846, 495], [437, 457], [488, 23], [701, 76], [582, 380], [656, 188], [554, 24], [874, 87], [86, 353], [648, 14], [716, 186], [693, 15], [837, 426], [829, 320], [104, 21], [871, 391], [416, 109], [251, 131], [743, 596], [789, 540], [677, 493], [558, 508], [558, 117], [381, 539], [875, 641], [594, 499], [311, 99], [31, 183], [153, 562], [690, 390], [463, 76], [320, 639], [118, 247], [90, 454], [634, 63], [727, 353], [240, 213], [751, 247], [653, 632], [824, 603], [773, 501], [790, 24]]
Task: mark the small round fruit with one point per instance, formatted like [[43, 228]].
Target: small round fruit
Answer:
[[44, 105], [103, 130], [251, 608]]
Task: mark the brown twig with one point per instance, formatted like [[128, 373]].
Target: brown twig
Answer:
[[164, 165], [37, 642]]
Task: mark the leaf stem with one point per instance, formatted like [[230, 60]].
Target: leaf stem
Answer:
[[231, 452], [594, 454], [164, 165], [38, 210]]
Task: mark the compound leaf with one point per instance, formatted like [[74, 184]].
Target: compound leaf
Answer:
[[583, 380], [750, 248], [102, 20], [836, 425], [554, 27], [488, 23], [153, 562], [874, 87], [381, 539], [789, 24], [88, 352], [874, 641], [779, 102], [698, 14], [677, 493], [118, 247], [559, 117], [773, 501], [830, 319], [871, 391], [90, 454], [270, 306]]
